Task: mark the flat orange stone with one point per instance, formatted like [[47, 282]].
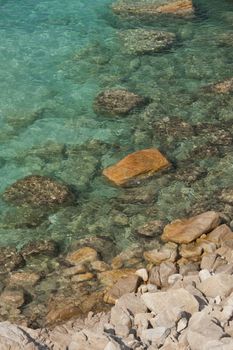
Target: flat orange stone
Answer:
[[135, 166], [178, 7]]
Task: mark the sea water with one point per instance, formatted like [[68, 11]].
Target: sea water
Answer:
[[55, 57]]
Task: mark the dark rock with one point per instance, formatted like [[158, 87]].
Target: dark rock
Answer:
[[151, 229], [10, 260], [46, 247], [37, 190], [117, 102]]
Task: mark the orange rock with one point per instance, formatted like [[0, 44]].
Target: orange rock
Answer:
[[24, 278], [136, 166], [222, 87], [63, 313], [187, 230], [82, 277], [180, 7], [82, 255]]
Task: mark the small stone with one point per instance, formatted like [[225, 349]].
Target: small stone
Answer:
[[82, 255], [24, 278], [151, 229], [143, 274], [156, 335], [117, 102], [136, 166], [99, 266], [74, 270], [204, 274], [82, 277], [174, 278], [132, 302], [207, 261], [168, 252], [12, 297], [220, 234], [187, 230], [182, 324], [46, 247]]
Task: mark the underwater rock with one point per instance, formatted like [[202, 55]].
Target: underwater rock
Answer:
[[10, 259], [82, 255], [136, 166], [151, 228], [37, 190], [227, 195], [145, 8], [187, 230], [45, 247], [222, 87], [142, 41], [117, 102]]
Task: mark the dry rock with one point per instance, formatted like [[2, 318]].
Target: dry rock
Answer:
[[122, 286], [217, 285], [187, 230]]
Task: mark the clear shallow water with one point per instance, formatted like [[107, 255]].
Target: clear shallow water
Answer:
[[54, 58]]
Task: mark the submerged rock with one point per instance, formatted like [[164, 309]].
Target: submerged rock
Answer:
[[117, 102], [37, 190], [187, 230], [222, 87], [141, 41], [136, 166], [145, 8]]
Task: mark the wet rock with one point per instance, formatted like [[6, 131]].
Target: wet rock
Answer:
[[38, 190], [128, 258], [122, 286], [99, 266], [82, 255], [142, 41], [27, 278], [151, 229], [108, 278], [62, 313], [153, 8], [217, 285], [82, 277], [136, 166], [227, 195], [14, 297], [222, 87], [187, 230], [45, 247], [74, 270], [117, 102], [10, 260]]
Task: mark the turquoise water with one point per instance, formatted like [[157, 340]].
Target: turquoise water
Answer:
[[54, 58]]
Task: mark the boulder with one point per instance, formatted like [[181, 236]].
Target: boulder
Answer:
[[151, 8], [117, 102], [136, 166], [122, 286], [187, 230], [142, 41], [171, 303], [38, 190], [218, 285]]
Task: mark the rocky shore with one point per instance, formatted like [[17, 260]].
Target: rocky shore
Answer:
[[179, 296]]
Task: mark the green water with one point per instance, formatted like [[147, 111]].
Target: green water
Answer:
[[54, 59]]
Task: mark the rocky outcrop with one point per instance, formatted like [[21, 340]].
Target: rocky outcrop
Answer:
[[38, 190], [136, 166], [117, 102], [142, 41], [145, 8]]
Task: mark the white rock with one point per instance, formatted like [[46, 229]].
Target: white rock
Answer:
[[143, 274], [175, 277], [204, 274], [182, 324]]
